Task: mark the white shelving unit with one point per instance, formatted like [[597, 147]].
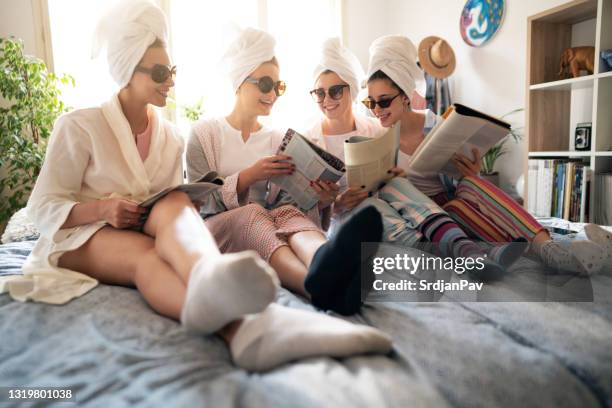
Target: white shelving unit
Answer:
[[554, 106]]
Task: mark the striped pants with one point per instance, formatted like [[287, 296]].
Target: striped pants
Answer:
[[485, 212], [403, 208], [481, 209]]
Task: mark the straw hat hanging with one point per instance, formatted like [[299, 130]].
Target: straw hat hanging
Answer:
[[436, 57]]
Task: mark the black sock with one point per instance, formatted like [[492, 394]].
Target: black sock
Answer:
[[348, 302], [336, 262]]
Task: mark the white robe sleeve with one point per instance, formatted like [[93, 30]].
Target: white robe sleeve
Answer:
[[61, 176]]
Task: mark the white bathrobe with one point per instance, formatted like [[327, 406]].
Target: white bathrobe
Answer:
[[91, 155]]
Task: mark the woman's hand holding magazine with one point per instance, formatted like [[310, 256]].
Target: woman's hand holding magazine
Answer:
[[120, 212], [350, 199], [466, 166], [270, 166], [397, 172], [327, 192]]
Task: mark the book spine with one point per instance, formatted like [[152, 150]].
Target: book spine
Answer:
[[560, 209], [548, 186], [585, 199], [532, 194], [567, 192], [553, 197]]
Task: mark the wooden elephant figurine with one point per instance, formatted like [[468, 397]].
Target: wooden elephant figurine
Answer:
[[576, 59]]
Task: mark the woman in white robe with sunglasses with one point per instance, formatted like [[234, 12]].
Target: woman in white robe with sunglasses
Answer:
[[100, 163]]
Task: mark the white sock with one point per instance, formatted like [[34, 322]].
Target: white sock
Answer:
[[580, 257], [599, 235], [280, 334], [593, 257], [225, 289]]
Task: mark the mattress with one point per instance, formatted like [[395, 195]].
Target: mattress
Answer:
[[111, 349]]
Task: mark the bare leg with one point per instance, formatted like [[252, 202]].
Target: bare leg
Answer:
[[181, 238], [290, 269], [160, 267], [134, 262], [254, 227], [541, 237], [305, 244]]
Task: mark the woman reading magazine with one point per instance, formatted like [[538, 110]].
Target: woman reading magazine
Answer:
[[409, 216], [243, 151], [99, 162], [482, 209]]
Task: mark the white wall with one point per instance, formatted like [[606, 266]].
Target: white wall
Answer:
[[489, 78], [17, 19]]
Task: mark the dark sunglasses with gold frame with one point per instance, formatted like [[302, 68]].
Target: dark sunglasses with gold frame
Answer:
[[335, 92], [266, 84], [159, 73], [383, 103]]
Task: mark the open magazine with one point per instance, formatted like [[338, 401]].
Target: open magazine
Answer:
[[462, 130], [369, 159], [197, 192], [311, 163]]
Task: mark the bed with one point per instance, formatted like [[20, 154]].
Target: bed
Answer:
[[113, 350]]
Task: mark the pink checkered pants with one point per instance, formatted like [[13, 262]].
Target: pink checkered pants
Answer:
[[254, 227]]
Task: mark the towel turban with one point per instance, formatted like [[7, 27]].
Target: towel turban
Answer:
[[396, 56], [248, 51], [343, 62], [126, 32]]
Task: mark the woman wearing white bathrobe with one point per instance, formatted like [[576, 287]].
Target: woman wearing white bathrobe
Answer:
[[99, 163], [243, 151]]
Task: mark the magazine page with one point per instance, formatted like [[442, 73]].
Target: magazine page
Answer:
[[311, 163], [369, 159], [197, 190], [458, 133]]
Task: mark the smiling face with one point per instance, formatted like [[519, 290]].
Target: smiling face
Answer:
[[334, 109], [383, 89], [142, 85], [251, 99]]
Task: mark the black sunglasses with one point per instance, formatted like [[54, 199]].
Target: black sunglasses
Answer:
[[159, 73], [266, 84], [383, 103], [335, 92]]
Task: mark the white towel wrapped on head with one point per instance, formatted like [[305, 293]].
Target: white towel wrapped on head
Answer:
[[126, 32], [342, 61], [252, 48], [396, 56]]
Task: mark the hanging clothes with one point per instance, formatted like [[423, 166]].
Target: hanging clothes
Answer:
[[437, 94]]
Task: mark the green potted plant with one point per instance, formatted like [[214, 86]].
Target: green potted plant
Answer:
[[30, 104], [490, 157], [190, 112]]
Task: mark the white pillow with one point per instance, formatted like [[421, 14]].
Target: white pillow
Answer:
[[20, 228]]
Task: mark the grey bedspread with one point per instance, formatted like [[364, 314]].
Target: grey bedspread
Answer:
[[113, 350]]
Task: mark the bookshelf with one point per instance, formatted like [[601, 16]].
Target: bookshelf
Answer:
[[555, 106]]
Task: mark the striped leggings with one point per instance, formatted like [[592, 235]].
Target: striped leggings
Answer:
[[485, 212]]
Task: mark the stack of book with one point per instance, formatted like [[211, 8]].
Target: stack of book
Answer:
[[559, 188], [603, 206]]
